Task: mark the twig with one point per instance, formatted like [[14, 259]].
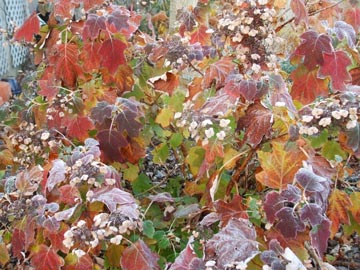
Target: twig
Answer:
[[313, 255], [195, 68]]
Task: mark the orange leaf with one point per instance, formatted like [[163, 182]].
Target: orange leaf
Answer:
[[45, 258], [201, 36], [355, 208], [234, 209], [166, 82], [279, 166], [339, 203], [218, 72]]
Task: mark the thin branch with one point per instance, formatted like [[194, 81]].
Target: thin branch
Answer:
[[195, 68]]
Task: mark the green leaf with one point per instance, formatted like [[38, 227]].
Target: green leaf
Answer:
[[160, 153], [354, 226], [141, 184], [131, 172], [164, 117], [4, 254], [162, 240], [331, 149], [148, 228], [176, 140], [195, 158], [320, 140]]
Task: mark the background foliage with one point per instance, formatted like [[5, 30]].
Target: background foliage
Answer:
[[232, 143]]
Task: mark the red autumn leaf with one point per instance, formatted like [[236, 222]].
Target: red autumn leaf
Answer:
[[234, 243], [166, 82], [201, 36], [93, 25], [246, 88], [29, 28], [186, 259], [63, 9], [111, 142], [123, 21], [213, 150], [18, 243], [122, 79], [90, 56], [320, 236], [139, 256], [234, 209], [45, 258], [218, 72], [257, 123], [312, 48], [78, 127], [352, 16], [279, 166], [335, 65], [47, 89], [69, 195], [307, 86], [57, 237], [339, 203], [65, 61], [299, 9], [112, 53]]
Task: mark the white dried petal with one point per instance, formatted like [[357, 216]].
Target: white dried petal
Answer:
[[79, 253], [336, 115], [177, 115], [209, 133], [221, 135], [116, 240], [351, 124], [325, 121], [206, 122], [224, 122]]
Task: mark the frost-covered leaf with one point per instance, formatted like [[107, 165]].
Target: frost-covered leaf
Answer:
[[291, 194], [65, 214], [300, 11], [234, 243], [139, 256], [218, 72], [166, 82], [335, 65], [249, 89], [112, 197], [343, 30], [280, 92], [161, 197], [93, 25], [312, 48], [27, 181], [288, 222], [56, 174], [313, 213], [257, 123], [309, 180], [186, 258], [320, 236], [273, 203], [29, 29]]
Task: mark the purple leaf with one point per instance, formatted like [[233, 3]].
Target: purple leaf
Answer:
[[288, 223], [162, 197], [313, 213], [273, 203], [197, 264], [112, 197], [320, 236], [268, 256], [309, 180], [236, 242], [280, 93], [182, 262], [51, 224], [65, 214], [342, 30], [291, 194], [210, 219], [56, 174], [275, 246]]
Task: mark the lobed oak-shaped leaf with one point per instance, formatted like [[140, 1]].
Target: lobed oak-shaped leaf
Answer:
[[312, 48], [257, 123], [320, 236], [339, 203], [306, 85], [234, 243], [218, 105], [335, 64], [300, 11], [249, 89], [93, 25], [45, 258], [112, 197], [90, 56], [27, 181], [342, 30], [122, 20], [218, 72], [111, 143], [112, 53], [65, 59], [279, 166], [288, 223], [273, 203], [139, 256], [166, 82], [78, 127], [201, 36], [56, 174], [29, 29], [313, 213], [234, 209], [57, 237], [310, 181], [186, 259]]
